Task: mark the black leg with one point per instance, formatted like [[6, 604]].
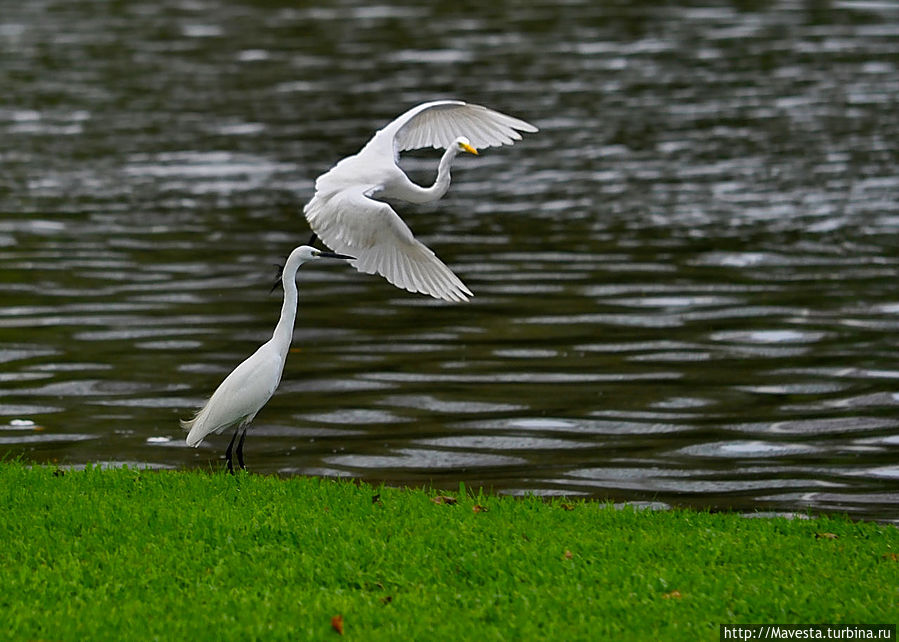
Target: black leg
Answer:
[[228, 451], [312, 239], [243, 436]]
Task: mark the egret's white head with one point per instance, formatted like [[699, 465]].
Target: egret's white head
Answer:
[[464, 145], [307, 253], [299, 256]]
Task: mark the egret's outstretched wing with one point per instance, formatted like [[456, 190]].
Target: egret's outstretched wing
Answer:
[[350, 222], [438, 123]]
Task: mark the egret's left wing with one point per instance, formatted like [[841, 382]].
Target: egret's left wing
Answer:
[[349, 222]]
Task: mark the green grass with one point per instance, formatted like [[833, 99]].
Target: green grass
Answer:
[[138, 555]]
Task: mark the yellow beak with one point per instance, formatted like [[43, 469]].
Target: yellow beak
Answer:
[[468, 148]]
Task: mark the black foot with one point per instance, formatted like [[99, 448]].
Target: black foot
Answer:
[[312, 239]]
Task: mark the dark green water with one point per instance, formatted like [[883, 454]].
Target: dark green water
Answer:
[[685, 284]]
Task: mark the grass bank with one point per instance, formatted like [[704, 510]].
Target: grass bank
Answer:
[[127, 555]]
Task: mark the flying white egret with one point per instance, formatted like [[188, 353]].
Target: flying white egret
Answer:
[[348, 211], [250, 385]]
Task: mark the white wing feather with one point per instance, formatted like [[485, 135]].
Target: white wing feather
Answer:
[[437, 124], [351, 223]]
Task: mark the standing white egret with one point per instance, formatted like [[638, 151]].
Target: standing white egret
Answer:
[[250, 385], [348, 211]]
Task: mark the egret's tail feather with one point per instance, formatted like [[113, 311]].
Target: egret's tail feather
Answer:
[[196, 427], [211, 419]]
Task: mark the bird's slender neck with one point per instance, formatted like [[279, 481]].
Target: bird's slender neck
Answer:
[[441, 183], [283, 333]]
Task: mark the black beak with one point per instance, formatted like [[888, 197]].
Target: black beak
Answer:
[[334, 255]]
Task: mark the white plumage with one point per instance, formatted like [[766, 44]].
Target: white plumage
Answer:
[[348, 211], [250, 385], [240, 396]]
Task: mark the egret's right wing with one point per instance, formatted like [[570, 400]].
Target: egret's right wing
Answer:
[[349, 222], [438, 123]]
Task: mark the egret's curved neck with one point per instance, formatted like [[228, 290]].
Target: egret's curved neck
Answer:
[[283, 333], [420, 194]]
